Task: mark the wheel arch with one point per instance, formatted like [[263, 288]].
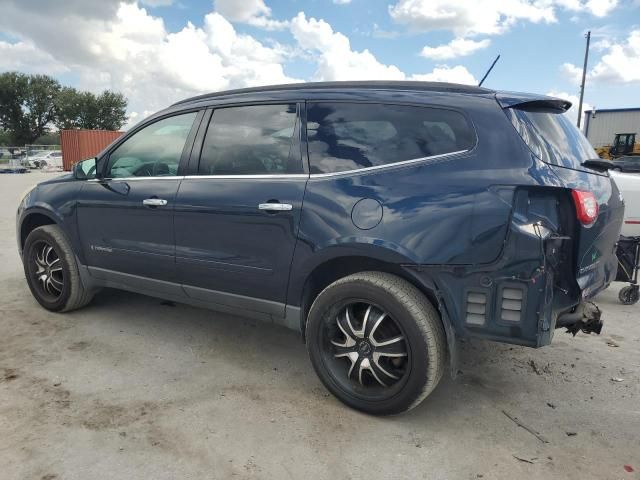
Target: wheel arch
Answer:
[[33, 219], [329, 270]]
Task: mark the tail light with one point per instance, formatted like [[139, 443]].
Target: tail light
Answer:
[[586, 206]]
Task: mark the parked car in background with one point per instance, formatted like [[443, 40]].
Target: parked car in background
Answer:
[[45, 158], [382, 220], [629, 186]]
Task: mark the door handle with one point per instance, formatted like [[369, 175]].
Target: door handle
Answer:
[[154, 202], [275, 207]]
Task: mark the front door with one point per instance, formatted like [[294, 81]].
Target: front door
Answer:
[[237, 212], [125, 219]]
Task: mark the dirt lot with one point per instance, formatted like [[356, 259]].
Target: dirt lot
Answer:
[[131, 388]]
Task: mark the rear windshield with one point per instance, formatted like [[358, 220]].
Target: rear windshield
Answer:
[[552, 137]]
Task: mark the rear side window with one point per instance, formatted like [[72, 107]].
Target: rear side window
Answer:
[[350, 136], [251, 140], [552, 137]]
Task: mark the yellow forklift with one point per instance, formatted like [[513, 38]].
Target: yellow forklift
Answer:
[[623, 145]]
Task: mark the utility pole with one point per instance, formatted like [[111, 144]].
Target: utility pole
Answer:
[[584, 76]]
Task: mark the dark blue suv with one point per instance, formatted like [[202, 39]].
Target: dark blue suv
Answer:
[[383, 220]]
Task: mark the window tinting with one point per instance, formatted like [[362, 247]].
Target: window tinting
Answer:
[[552, 137], [349, 136], [154, 151], [251, 140]]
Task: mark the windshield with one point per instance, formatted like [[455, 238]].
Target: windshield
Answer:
[[552, 137]]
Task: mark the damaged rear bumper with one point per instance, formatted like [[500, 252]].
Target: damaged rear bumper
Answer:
[[586, 317]]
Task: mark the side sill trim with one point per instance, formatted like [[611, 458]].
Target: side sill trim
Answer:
[[265, 310]]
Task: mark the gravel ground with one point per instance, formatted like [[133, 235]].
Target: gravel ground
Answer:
[[131, 388]]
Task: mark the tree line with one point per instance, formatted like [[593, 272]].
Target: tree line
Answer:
[[32, 105]]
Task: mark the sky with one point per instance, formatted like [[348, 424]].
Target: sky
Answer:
[[159, 51]]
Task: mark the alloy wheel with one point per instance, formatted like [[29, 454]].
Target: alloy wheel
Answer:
[[366, 350], [47, 272]]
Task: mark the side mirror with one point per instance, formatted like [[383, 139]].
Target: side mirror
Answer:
[[85, 169]]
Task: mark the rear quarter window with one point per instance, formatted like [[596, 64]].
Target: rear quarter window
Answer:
[[551, 136], [351, 136]]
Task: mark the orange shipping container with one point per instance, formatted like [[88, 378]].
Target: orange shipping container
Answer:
[[82, 144]]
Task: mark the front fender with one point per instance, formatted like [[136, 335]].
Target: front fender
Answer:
[[56, 201]]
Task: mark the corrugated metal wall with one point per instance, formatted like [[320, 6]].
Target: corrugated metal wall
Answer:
[[602, 128], [82, 144]]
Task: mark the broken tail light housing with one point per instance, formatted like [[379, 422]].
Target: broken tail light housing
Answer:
[[586, 206]]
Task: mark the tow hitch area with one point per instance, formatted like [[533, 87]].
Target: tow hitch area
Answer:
[[586, 317]]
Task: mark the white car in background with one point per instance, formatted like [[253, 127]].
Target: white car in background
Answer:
[[45, 158], [629, 186]]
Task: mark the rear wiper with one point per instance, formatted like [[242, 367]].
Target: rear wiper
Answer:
[[598, 164]]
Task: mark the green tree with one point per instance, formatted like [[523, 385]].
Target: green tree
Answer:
[[27, 105], [52, 138], [112, 110], [75, 109]]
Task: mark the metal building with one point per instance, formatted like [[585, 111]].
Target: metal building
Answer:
[[601, 126]]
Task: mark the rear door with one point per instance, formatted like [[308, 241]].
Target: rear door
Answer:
[[126, 218], [237, 212], [554, 139]]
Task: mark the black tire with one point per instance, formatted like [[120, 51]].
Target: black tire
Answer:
[[629, 295], [407, 315], [62, 290]]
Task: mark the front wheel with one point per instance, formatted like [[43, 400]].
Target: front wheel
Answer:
[[376, 342], [52, 270]]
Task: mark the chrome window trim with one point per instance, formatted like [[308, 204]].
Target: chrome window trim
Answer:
[[256, 177], [129, 179], [388, 165], [291, 175]]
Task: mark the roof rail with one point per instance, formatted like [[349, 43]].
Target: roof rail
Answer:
[[371, 84]]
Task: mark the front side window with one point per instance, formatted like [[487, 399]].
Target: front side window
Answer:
[[350, 136], [153, 151], [251, 140]]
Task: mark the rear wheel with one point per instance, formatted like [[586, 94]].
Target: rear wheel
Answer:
[[52, 271], [376, 342]]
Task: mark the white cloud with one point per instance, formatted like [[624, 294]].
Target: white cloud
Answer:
[[464, 18], [341, 2], [619, 64], [336, 60], [26, 57], [488, 17], [132, 52], [126, 48], [597, 8], [444, 73], [572, 113], [571, 72], [458, 47], [157, 3], [252, 12]]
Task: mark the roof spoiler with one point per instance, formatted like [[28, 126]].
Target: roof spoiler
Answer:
[[525, 101]]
